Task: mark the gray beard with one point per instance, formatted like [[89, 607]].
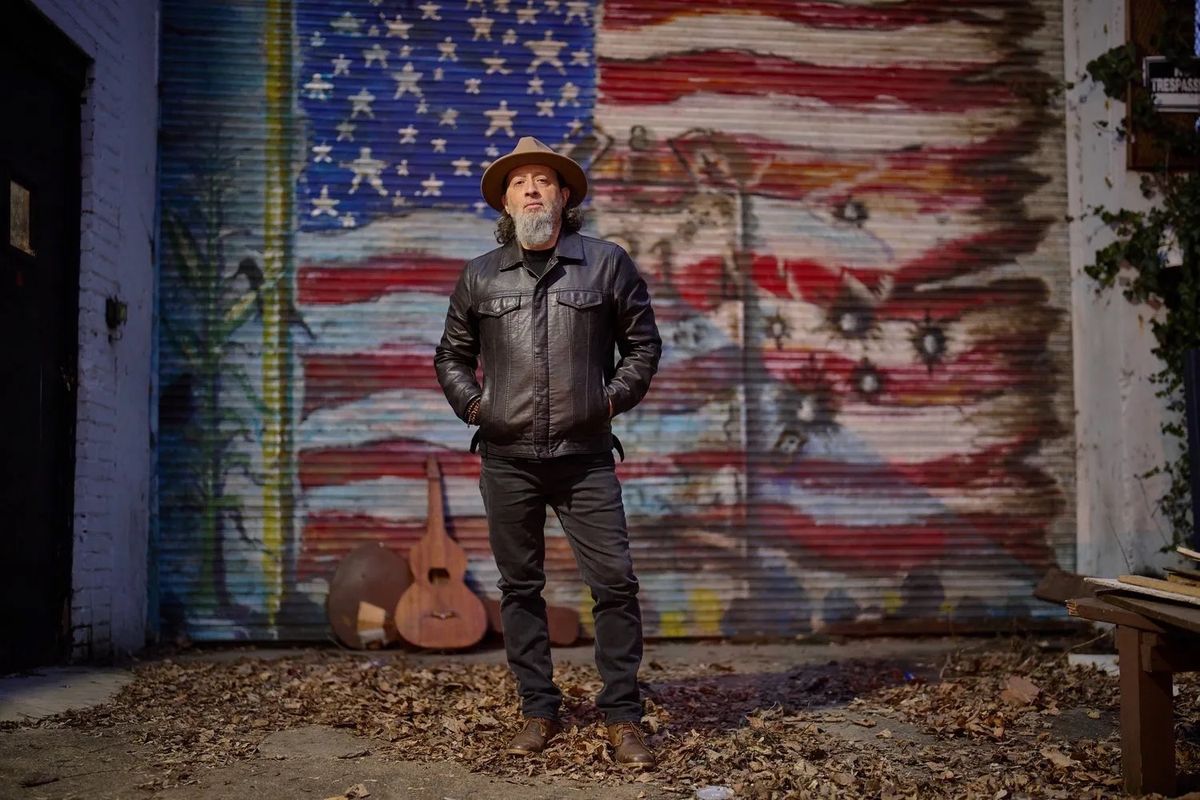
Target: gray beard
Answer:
[[536, 227]]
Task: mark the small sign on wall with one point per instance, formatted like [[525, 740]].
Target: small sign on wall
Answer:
[[19, 230], [1172, 89]]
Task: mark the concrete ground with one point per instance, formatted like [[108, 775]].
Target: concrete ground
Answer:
[[324, 762]]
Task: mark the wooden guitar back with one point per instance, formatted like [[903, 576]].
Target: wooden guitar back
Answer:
[[562, 622], [368, 583]]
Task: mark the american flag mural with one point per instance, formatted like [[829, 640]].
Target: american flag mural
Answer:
[[850, 217]]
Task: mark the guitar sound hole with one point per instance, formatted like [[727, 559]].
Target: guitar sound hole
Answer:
[[439, 575]]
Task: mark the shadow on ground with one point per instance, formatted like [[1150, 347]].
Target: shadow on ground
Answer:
[[724, 702]]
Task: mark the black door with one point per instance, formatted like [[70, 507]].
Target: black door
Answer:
[[41, 81]]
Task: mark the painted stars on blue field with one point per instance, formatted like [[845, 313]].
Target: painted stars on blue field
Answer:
[[406, 104]]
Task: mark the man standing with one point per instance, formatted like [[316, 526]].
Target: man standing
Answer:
[[547, 311]]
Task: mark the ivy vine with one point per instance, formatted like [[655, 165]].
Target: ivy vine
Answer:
[[1156, 253]]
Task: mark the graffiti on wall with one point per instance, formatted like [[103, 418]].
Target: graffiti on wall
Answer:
[[845, 214]]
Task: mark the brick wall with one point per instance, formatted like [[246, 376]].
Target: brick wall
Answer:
[[1117, 414], [113, 449]]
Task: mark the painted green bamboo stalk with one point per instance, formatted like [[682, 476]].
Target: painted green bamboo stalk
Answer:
[[277, 444], [201, 329]]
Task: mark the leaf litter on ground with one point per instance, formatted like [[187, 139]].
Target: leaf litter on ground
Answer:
[[986, 723]]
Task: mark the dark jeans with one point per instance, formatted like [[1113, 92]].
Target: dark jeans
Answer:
[[583, 490]]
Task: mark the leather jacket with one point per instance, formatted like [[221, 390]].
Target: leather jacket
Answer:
[[548, 347]]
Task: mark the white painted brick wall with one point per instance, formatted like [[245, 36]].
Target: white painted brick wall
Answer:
[[112, 472], [1117, 413]]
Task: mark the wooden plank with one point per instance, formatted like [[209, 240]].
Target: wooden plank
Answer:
[[1098, 609], [1188, 552], [1194, 575], [1173, 577], [1147, 720], [1059, 586], [1111, 583], [1185, 617], [1171, 656], [1161, 585]]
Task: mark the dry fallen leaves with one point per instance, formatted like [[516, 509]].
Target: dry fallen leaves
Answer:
[[1057, 757], [1019, 691], [988, 723], [355, 792]]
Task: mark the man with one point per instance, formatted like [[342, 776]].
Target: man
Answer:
[[545, 311]]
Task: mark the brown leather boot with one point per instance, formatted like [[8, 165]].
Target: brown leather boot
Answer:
[[630, 745], [533, 737]]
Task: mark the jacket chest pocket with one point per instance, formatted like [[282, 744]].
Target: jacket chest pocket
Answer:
[[578, 320], [580, 299], [499, 306]]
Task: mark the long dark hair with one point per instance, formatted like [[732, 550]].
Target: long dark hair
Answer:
[[506, 226]]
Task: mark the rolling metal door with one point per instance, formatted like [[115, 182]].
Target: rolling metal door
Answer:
[[850, 219]]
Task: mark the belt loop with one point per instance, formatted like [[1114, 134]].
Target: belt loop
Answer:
[[617, 445]]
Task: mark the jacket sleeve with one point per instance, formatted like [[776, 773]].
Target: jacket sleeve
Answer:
[[637, 338], [457, 355]]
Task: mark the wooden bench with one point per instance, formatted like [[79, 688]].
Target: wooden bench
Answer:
[[1154, 641]]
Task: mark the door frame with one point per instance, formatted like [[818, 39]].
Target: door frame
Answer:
[[29, 36]]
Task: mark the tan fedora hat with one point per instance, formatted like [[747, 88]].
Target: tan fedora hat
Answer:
[[531, 151]]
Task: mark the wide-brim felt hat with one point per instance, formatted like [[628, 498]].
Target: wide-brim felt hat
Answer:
[[531, 151]]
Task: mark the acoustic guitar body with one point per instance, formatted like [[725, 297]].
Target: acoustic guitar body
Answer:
[[438, 611], [441, 616]]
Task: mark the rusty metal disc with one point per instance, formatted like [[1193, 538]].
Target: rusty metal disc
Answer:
[[363, 594]]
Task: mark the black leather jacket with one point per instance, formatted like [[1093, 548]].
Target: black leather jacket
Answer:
[[548, 347]]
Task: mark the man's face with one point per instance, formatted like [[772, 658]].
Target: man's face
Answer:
[[535, 201]]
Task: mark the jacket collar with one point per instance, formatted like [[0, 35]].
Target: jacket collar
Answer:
[[569, 247]]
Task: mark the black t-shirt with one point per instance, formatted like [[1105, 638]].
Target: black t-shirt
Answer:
[[538, 260]]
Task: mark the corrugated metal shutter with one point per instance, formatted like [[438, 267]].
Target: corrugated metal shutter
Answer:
[[231, 142], [850, 217]]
